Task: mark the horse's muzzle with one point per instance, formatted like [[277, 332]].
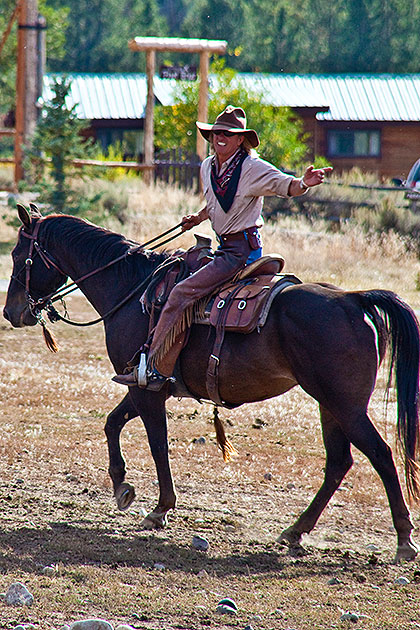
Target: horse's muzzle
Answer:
[[19, 317]]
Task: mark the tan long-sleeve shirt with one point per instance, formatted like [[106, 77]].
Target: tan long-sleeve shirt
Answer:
[[258, 179]]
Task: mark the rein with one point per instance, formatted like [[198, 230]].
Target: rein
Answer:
[[37, 306]]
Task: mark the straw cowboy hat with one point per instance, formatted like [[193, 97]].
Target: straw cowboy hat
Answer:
[[232, 119]]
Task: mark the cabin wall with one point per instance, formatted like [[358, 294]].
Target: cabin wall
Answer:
[[400, 145]]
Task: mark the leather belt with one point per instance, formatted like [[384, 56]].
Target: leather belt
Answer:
[[235, 236]]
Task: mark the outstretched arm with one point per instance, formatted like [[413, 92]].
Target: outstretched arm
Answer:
[[312, 177]]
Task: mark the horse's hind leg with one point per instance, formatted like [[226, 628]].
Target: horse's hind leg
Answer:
[[338, 462], [366, 438], [125, 411]]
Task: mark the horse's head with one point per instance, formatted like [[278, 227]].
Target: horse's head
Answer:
[[33, 275]]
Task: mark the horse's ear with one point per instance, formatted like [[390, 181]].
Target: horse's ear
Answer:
[[24, 216], [34, 211]]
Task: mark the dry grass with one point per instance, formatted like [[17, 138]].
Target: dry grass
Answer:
[[347, 258], [56, 500]]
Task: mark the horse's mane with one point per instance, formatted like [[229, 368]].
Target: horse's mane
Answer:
[[97, 245]]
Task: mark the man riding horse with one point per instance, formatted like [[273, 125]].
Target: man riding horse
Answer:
[[234, 182]]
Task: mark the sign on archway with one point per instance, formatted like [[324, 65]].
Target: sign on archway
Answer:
[[205, 48]]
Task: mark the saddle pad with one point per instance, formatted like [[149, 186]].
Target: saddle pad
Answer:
[[244, 306]]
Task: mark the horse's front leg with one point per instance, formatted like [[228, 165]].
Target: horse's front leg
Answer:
[[151, 408], [125, 411]]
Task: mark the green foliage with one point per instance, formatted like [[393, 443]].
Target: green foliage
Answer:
[[280, 132], [7, 58], [114, 153], [290, 36], [262, 35], [58, 138], [219, 19], [57, 19], [56, 23], [99, 30]]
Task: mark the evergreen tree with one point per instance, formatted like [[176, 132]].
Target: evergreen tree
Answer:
[[266, 47], [219, 19], [98, 34], [174, 12], [58, 138]]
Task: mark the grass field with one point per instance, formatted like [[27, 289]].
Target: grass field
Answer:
[[56, 500]]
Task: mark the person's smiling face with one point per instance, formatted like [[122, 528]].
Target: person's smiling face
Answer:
[[225, 144]]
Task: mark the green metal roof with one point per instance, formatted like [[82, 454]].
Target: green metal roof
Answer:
[[352, 97], [103, 96]]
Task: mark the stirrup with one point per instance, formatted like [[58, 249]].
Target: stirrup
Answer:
[[155, 380], [141, 371], [137, 376]]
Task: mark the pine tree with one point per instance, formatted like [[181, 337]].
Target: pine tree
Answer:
[[58, 138]]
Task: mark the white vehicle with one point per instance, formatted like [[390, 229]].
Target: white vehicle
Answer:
[[413, 179], [412, 183]]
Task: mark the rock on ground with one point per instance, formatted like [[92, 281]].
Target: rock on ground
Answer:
[[18, 595], [91, 624]]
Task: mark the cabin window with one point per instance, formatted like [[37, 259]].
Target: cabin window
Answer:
[[354, 142]]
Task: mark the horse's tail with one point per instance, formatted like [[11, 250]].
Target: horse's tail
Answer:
[[403, 335]]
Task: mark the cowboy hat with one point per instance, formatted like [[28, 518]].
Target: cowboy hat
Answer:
[[232, 119]]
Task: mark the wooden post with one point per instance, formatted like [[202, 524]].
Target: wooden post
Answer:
[[149, 122], [31, 68], [20, 93], [26, 80], [203, 95], [149, 45]]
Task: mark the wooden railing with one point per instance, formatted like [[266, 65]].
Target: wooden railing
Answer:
[[175, 166], [178, 167]]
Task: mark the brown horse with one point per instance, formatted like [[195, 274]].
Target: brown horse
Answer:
[[328, 341]]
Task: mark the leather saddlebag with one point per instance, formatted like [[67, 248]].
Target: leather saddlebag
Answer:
[[238, 307]]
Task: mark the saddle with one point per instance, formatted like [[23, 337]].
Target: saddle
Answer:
[[177, 267], [241, 305]]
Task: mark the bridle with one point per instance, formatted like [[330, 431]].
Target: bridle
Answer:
[[36, 306]]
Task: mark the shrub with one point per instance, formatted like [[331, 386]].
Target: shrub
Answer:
[[114, 153]]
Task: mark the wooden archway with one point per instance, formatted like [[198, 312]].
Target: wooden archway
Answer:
[[205, 48]]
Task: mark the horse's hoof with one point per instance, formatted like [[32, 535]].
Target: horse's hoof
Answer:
[[297, 551], [291, 537], [153, 521], [407, 551], [124, 495]]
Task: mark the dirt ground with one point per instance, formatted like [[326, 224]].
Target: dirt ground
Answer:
[[57, 509]]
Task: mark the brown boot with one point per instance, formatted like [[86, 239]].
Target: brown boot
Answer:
[[129, 379], [155, 380]]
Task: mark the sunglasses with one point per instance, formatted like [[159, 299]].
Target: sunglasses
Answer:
[[228, 134]]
